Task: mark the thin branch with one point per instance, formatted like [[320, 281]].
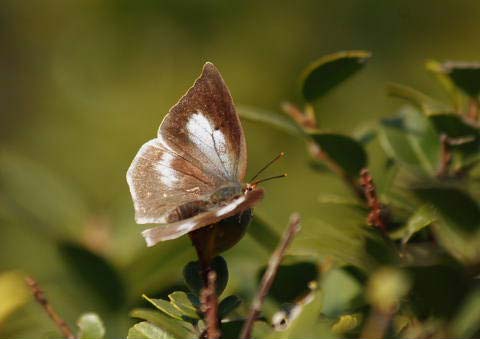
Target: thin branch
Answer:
[[377, 324], [269, 276], [473, 109], [42, 300], [375, 216], [445, 156], [304, 119], [210, 307]]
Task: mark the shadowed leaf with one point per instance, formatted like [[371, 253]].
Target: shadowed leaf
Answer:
[[465, 75], [343, 150], [285, 289], [457, 225], [329, 71], [193, 279], [228, 305], [96, 273]]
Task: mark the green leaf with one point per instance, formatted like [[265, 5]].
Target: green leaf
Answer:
[[342, 292], [411, 141], [422, 218], [457, 225], [177, 328], [228, 305], [346, 323], [192, 275], [285, 289], [13, 293], [91, 326], [165, 307], [465, 75], [99, 275], [305, 322], [346, 152], [436, 291], [467, 322], [263, 233], [456, 127], [346, 239], [329, 71], [276, 120], [145, 330], [422, 101], [436, 69], [183, 302]]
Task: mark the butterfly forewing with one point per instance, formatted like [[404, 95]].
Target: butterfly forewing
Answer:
[[204, 128], [200, 147]]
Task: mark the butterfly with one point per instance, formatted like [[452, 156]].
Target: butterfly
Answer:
[[191, 175]]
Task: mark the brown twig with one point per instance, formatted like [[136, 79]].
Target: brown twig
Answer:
[[473, 109], [269, 275], [304, 119], [42, 300], [209, 301], [375, 216], [445, 156], [377, 324]]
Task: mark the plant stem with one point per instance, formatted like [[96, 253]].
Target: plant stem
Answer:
[[42, 300], [473, 109], [269, 275], [377, 324], [445, 156], [375, 217], [305, 120], [209, 302], [201, 240]]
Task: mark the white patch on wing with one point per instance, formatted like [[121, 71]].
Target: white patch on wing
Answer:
[[167, 174], [230, 207], [152, 235], [187, 225], [211, 142]]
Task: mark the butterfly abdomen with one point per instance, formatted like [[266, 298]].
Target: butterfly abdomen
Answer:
[[186, 210]]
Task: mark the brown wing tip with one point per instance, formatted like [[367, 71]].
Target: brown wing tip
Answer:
[[209, 68]]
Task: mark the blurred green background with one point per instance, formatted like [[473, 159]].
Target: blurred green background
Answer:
[[83, 84]]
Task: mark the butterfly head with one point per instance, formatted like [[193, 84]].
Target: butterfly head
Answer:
[[251, 185]]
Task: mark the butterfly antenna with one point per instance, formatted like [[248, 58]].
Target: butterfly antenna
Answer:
[[255, 183], [282, 154]]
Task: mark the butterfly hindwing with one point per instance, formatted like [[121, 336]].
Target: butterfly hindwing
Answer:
[[177, 229]]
